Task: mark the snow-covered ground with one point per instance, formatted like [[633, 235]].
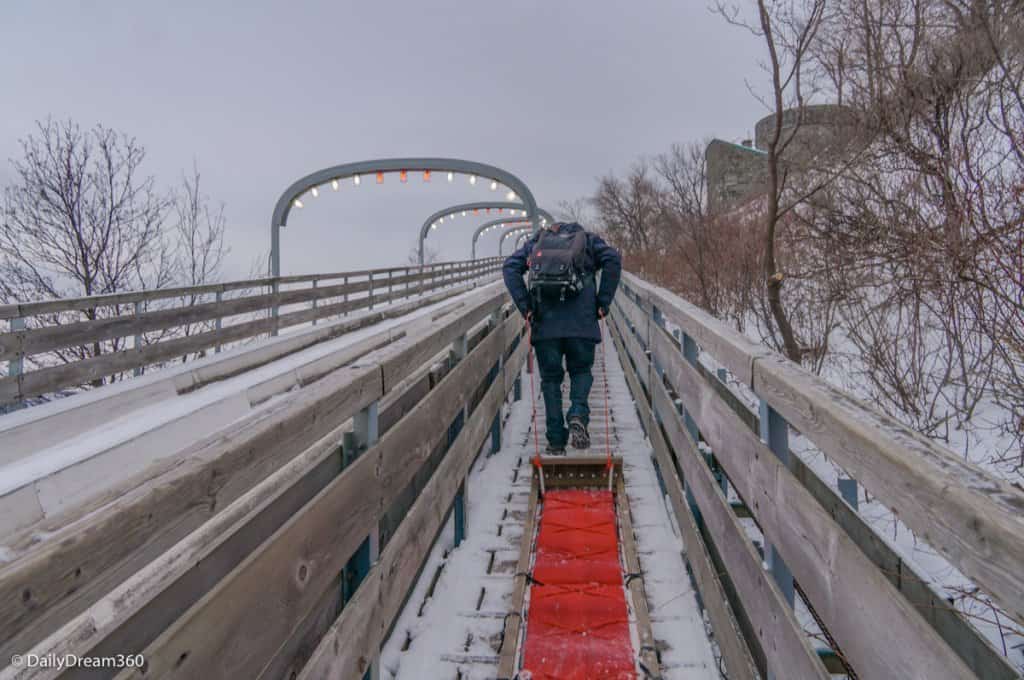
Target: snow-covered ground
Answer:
[[452, 623]]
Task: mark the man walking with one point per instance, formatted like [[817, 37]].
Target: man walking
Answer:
[[562, 303]]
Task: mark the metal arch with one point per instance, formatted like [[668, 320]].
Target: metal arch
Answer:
[[511, 231], [486, 225], [482, 205], [301, 186], [520, 239]]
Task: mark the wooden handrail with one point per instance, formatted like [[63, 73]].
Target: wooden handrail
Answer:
[[15, 345], [975, 515], [28, 309]]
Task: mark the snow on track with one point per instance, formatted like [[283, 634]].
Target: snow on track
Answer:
[[451, 626]]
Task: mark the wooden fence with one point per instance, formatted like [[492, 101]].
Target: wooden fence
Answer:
[[130, 331], [882, 619], [286, 544]]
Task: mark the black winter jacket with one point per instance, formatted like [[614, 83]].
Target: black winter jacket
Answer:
[[575, 317]]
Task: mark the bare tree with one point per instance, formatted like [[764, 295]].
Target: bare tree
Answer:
[[430, 255], [81, 219], [628, 209], [198, 240], [789, 29]]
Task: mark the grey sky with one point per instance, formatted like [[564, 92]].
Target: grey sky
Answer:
[[261, 93]]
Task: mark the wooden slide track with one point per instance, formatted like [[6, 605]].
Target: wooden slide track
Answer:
[[564, 586]]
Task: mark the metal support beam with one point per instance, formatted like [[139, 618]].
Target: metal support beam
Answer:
[[16, 366], [775, 433], [848, 490], [440, 215], [292, 195], [314, 301], [220, 320], [365, 433], [495, 224], [496, 434], [460, 514], [137, 340]]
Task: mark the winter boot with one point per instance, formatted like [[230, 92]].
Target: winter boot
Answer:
[[578, 435], [553, 450]]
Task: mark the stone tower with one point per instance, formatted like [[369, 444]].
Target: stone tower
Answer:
[[737, 173]]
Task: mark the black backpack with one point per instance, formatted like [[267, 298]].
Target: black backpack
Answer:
[[560, 265]]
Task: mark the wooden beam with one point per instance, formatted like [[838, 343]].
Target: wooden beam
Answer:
[[971, 517], [132, 525], [972, 647], [731, 643], [847, 590], [235, 629], [353, 643]]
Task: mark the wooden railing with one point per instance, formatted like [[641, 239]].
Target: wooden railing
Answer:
[[130, 331], [882, 619], [286, 543]]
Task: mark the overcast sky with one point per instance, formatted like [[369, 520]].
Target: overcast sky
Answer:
[[259, 94]]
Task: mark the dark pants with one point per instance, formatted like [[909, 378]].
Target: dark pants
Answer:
[[579, 358]]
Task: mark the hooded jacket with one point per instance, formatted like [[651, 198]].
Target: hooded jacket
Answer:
[[575, 317]]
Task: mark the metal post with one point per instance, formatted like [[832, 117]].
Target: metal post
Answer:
[[16, 366], [496, 434], [370, 295], [365, 427], [775, 433], [314, 302], [460, 348], [137, 341], [364, 435], [848, 490], [460, 514], [690, 352], [517, 388], [390, 286], [344, 282], [274, 289], [219, 323]]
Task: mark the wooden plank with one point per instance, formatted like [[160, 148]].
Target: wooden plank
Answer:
[[732, 350], [231, 632], [509, 650], [648, 650], [34, 341], [786, 647], [971, 517], [633, 349], [731, 642], [132, 525], [51, 379], [846, 589], [974, 649], [635, 316], [354, 641], [406, 354], [135, 612], [26, 309]]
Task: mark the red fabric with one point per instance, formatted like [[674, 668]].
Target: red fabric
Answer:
[[577, 626]]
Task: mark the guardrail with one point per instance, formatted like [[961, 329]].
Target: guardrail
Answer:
[[883, 620], [293, 535], [57, 325]]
